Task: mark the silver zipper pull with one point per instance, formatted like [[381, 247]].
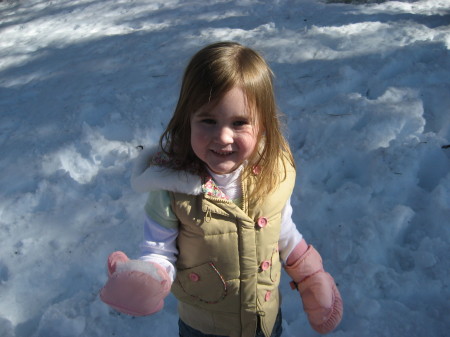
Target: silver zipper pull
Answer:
[[208, 216]]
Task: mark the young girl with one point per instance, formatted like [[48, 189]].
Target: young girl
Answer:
[[218, 223]]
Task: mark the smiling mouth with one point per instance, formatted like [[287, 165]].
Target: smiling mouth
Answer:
[[222, 153]]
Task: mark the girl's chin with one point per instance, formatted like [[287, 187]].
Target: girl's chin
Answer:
[[222, 169]]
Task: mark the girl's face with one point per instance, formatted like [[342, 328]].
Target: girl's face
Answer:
[[223, 136]]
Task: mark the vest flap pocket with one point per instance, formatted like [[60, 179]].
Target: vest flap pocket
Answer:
[[203, 283]]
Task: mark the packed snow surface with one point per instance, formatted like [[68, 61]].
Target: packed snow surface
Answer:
[[365, 88]]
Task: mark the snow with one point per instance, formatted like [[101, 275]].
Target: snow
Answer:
[[365, 89]]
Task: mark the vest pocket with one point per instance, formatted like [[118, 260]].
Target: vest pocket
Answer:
[[275, 266], [203, 283]]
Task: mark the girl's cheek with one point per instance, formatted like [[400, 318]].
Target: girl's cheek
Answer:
[[203, 132]]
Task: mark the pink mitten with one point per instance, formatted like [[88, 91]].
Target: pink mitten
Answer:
[[135, 287], [321, 299]]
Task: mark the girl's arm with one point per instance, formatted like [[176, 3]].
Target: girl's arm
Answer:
[[159, 245], [138, 287], [290, 237], [160, 232], [321, 298]]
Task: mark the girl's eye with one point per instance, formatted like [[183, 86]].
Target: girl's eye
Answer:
[[208, 121], [240, 123]]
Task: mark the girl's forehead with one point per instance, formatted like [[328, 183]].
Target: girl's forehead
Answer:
[[234, 100]]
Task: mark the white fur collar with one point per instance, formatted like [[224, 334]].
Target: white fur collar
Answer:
[[145, 178]]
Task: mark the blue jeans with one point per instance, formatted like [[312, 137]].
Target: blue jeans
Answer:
[[187, 331]]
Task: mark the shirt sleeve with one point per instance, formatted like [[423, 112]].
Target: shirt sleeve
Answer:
[[160, 232], [289, 235], [159, 209]]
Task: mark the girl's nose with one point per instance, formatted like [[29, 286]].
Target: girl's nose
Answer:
[[224, 135]]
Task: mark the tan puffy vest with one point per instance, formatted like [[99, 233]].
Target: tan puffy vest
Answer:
[[228, 268]]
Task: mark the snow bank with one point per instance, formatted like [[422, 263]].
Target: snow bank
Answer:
[[365, 93]]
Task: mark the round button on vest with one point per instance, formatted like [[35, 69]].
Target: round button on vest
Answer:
[[194, 277], [265, 265], [262, 222]]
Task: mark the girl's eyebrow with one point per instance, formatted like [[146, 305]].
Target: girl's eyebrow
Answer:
[[202, 113], [207, 113]]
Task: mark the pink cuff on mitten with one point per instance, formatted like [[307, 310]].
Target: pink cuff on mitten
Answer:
[[297, 252], [134, 287], [321, 299]]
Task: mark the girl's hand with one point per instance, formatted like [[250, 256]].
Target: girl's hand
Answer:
[[136, 288], [321, 299]]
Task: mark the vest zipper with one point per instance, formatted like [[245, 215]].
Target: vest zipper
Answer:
[[244, 195], [208, 216]]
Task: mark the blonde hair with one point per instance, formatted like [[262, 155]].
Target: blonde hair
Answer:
[[211, 73]]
